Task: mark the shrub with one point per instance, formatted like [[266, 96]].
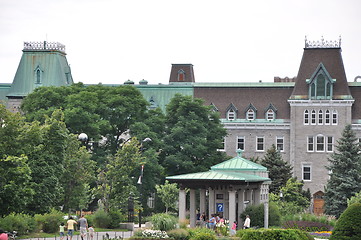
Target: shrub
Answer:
[[164, 222], [150, 234], [256, 213], [273, 234], [178, 234], [348, 225], [49, 222], [115, 219], [307, 226], [194, 232], [101, 219], [204, 236], [21, 223]]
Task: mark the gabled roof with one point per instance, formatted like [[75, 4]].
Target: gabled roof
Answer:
[[238, 164]]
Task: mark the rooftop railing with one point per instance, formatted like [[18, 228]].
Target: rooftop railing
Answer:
[[41, 46], [323, 43]]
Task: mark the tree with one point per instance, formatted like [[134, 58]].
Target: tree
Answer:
[[348, 226], [345, 168], [279, 170], [193, 133], [354, 199], [168, 193]]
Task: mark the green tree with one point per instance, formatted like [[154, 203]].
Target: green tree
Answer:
[[354, 199], [193, 133], [168, 193], [279, 170], [345, 168], [348, 226]]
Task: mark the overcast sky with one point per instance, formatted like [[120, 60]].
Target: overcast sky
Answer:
[[111, 41]]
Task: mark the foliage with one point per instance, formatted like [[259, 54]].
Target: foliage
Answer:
[[348, 225], [151, 234], [101, 219], [203, 236], [116, 219], [273, 234], [354, 199], [168, 193], [279, 170], [307, 226], [22, 223], [178, 234], [193, 232], [328, 220], [256, 213], [193, 133], [164, 222], [49, 222], [345, 178]]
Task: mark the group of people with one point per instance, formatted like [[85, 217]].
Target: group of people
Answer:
[[83, 227]]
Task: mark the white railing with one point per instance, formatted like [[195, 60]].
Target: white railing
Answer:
[[38, 46]]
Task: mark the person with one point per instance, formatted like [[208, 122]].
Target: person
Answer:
[[247, 223], [3, 235], [62, 231], [83, 226], [70, 227], [203, 219], [212, 222], [234, 228], [91, 232]]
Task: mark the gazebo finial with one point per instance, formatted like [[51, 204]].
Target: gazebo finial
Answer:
[[239, 152]]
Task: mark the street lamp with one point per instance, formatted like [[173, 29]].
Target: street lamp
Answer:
[[83, 137]]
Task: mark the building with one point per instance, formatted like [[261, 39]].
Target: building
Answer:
[[302, 116]]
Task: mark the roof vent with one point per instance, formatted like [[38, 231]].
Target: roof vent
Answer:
[[143, 82], [129, 82]]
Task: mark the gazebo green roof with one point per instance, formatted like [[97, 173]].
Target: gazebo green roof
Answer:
[[235, 169]]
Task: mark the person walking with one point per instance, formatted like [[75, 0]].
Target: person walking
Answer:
[[91, 232], [234, 228], [247, 222], [62, 231], [70, 227], [83, 226]]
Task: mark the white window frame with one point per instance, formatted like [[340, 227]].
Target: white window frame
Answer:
[[243, 142], [313, 117], [224, 146], [334, 117], [231, 114], [310, 144], [262, 144], [281, 143], [270, 115], [329, 144], [327, 117], [320, 117], [250, 114], [306, 117], [320, 144], [306, 165]]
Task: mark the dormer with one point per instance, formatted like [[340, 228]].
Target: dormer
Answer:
[[38, 75], [213, 108], [320, 85], [270, 112], [231, 112], [152, 103], [181, 73], [251, 112]]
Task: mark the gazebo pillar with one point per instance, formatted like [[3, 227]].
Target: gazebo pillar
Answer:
[[211, 203], [257, 196], [202, 201], [240, 205], [192, 208], [182, 204], [232, 207]]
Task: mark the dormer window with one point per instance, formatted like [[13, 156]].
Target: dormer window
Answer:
[[320, 84], [271, 113], [181, 75], [231, 112], [251, 112], [38, 75]]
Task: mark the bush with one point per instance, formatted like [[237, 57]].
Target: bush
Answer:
[[328, 220], [150, 234], [101, 219], [21, 223], [256, 213], [49, 222], [204, 236], [348, 225], [273, 234], [115, 219], [194, 232], [307, 226], [164, 222], [178, 234]]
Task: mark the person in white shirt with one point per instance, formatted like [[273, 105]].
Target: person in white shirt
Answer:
[[247, 223]]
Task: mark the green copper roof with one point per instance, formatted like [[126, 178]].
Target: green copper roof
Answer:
[[4, 89], [42, 64], [238, 164], [220, 176]]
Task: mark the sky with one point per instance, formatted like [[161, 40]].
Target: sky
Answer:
[[111, 41]]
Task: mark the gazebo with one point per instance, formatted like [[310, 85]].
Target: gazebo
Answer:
[[227, 188]]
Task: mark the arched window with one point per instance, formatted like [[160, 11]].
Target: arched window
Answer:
[[334, 117], [38, 76], [250, 114], [327, 117], [320, 117], [306, 117], [313, 117], [181, 75], [270, 115], [231, 114], [320, 84]]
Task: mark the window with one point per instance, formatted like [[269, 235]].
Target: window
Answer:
[[38, 76], [327, 117], [250, 114], [321, 84], [270, 114], [329, 144], [334, 117], [313, 117], [306, 172], [231, 114], [320, 117], [181, 75], [279, 144], [223, 146], [260, 143], [240, 143], [310, 144], [306, 117], [320, 143]]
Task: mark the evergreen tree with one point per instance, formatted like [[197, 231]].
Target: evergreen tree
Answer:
[[345, 175], [279, 170]]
